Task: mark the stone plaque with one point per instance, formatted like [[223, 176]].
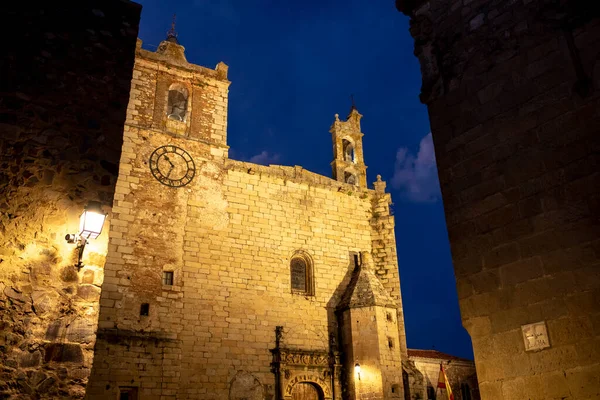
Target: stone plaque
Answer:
[[535, 336]]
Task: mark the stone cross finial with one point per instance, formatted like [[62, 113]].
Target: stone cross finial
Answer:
[[172, 34]]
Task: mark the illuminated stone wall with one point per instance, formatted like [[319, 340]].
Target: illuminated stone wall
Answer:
[[65, 85], [460, 372], [228, 237], [512, 89]]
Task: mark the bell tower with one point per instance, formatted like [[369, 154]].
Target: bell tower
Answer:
[[348, 162]]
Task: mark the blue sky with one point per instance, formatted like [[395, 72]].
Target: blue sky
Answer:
[[293, 65]]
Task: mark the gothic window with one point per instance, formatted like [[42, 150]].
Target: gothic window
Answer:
[[350, 178], [301, 274], [348, 150], [177, 102]]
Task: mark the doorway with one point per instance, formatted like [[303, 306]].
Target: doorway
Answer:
[[307, 391]]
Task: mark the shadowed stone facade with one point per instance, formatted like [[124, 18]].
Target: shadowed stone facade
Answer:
[[512, 89], [64, 87]]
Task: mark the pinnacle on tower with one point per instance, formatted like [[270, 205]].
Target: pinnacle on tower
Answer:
[[348, 164]]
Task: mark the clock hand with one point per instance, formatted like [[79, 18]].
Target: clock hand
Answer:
[[169, 161]]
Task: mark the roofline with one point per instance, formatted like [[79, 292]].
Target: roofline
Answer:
[[444, 356]]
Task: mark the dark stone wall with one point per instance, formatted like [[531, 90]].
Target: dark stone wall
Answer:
[[513, 93], [64, 88]]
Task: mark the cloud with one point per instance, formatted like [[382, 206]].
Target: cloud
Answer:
[[264, 158], [416, 176]]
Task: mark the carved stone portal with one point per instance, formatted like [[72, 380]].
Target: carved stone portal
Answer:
[[292, 367]]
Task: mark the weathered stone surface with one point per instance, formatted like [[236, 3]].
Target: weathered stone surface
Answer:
[[245, 386], [63, 352], [65, 87], [81, 331], [88, 277], [88, 292], [27, 360], [517, 142]]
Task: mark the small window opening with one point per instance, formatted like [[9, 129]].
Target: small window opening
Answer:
[[390, 342], [167, 278], [350, 178], [177, 102], [465, 391], [395, 388], [348, 150], [388, 316], [430, 393], [128, 393], [145, 309]]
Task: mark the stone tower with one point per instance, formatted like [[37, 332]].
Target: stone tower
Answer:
[[369, 335], [513, 93], [348, 162]]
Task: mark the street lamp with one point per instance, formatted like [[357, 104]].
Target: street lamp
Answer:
[[90, 227], [357, 370]]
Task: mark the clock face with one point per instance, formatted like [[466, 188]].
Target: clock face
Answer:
[[172, 166]]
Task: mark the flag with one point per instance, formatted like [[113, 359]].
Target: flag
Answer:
[[443, 383]]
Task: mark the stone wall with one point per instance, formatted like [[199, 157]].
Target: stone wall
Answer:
[[460, 372], [228, 237], [512, 90], [65, 85]]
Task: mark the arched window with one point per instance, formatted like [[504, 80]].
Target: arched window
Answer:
[[301, 274], [177, 102], [348, 150], [350, 178]]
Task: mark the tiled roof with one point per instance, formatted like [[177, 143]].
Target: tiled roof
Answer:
[[438, 355]]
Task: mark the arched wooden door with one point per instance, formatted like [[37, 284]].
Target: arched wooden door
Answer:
[[306, 391]]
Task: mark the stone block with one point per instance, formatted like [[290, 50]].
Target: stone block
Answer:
[[502, 254], [88, 292], [485, 281], [584, 381], [29, 359], [520, 271], [63, 352]]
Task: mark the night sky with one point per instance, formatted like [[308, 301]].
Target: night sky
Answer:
[[293, 65]]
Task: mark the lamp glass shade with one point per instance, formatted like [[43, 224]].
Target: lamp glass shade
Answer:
[[357, 368], [91, 222]]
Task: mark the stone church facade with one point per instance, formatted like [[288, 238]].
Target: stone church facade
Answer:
[[226, 279]]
